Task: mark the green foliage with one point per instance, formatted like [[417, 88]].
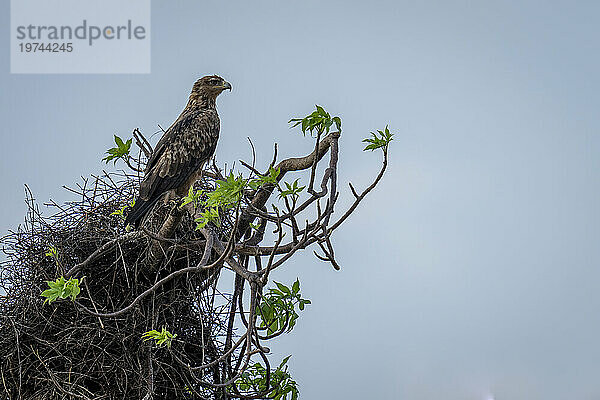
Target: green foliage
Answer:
[[319, 121], [227, 193], [210, 214], [379, 141], [292, 190], [269, 178], [61, 289], [226, 196], [277, 307], [120, 212], [162, 338], [192, 197], [281, 385], [119, 152], [52, 253]]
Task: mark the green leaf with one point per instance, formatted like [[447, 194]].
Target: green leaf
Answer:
[[338, 123], [283, 288], [305, 124], [285, 360]]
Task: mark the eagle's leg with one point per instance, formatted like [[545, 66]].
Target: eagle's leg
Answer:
[[156, 252]]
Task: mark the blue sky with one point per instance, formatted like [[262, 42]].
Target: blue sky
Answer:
[[473, 270]]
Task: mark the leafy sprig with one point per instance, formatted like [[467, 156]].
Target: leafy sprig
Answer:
[[164, 338], [292, 190], [226, 196], [119, 152], [269, 178], [278, 307], [281, 385], [379, 141], [210, 214], [319, 121], [61, 289], [193, 196], [227, 193]]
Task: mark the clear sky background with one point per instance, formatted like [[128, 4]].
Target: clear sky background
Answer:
[[472, 272]]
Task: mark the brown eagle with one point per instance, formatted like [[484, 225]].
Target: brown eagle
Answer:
[[178, 157]]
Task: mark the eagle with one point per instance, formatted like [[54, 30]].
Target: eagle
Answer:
[[177, 159]]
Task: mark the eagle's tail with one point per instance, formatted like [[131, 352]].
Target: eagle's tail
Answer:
[[139, 211]]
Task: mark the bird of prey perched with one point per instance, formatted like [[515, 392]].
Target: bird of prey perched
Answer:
[[178, 158]]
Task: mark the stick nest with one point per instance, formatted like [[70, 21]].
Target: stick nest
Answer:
[[56, 351]]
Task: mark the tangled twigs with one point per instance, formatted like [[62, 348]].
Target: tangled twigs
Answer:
[[106, 247], [170, 274]]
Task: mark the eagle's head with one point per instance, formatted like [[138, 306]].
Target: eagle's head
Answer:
[[209, 87]]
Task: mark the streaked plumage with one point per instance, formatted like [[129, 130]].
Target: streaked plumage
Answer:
[[178, 157]]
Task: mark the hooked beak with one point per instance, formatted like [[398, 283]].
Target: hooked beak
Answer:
[[227, 85]]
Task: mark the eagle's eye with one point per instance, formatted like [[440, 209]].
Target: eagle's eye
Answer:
[[215, 82]]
